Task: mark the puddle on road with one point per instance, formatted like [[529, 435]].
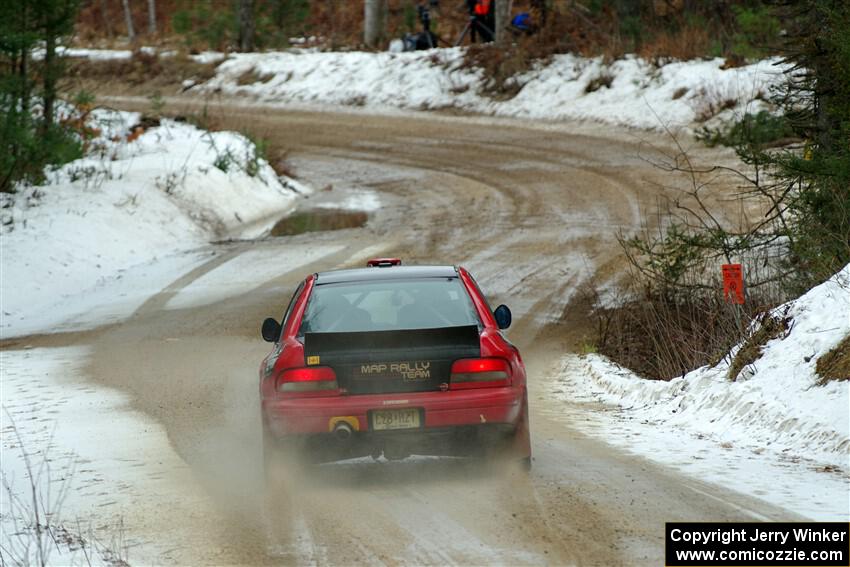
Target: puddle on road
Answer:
[[319, 219]]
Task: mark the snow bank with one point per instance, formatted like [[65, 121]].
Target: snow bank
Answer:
[[775, 408], [125, 54], [92, 54], [630, 91], [172, 189], [640, 94], [406, 80]]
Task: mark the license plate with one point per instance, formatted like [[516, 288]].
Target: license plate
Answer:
[[395, 419]]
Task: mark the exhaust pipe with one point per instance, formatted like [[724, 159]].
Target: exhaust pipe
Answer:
[[343, 431]]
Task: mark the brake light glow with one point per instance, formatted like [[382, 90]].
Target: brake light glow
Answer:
[[480, 373], [383, 262], [307, 379]]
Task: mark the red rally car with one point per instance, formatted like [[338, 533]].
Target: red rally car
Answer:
[[396, 361]]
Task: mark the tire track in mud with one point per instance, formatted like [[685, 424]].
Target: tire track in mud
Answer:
[[499, 237], [419, 512]]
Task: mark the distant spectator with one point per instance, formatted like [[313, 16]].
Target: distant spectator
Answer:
[[483, 20], [521, 23]]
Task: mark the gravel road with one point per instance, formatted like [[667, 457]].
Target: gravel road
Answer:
[[534, 211]]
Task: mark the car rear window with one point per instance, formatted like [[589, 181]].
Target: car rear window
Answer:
[[388, 305]]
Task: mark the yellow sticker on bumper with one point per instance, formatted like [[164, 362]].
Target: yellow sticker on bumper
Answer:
[[351, 420]]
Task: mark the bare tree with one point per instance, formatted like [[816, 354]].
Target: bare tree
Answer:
[[107, 22], [539, 13], [374, 22], [503, 20], [152, 17], [128, 17], [246, 25]]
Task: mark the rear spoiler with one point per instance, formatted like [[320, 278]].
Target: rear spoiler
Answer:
[[448, 343]]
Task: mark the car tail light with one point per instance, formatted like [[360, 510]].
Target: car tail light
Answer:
[[307, 379], [480, 373]]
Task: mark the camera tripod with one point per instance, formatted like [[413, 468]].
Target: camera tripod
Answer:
[[474, 24], [425, 18]]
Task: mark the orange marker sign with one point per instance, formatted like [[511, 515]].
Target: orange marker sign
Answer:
[[733, 283]]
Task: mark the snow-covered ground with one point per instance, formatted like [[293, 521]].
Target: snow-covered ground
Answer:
[[124, 54], [94, 492], [774, 422], [629, 91], [129, 202]]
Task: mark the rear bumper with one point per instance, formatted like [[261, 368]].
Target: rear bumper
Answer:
[[300, 416]]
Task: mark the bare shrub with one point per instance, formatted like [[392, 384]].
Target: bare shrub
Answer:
[[603, 79], [677, 318], [248, 77], [765, 328], [142, 68], [500, 68], [278, 158], [835, 365], [665, 336], [253, 76], [712, 99], [687, 42], [34, 529], [679, 93], [209, 117], [356, 100]]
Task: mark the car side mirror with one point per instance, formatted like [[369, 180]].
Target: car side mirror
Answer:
[[503, 316], [271, 330]]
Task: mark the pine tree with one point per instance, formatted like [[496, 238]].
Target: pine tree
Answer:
[[816, 98], [31, 140], [246, 25]]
